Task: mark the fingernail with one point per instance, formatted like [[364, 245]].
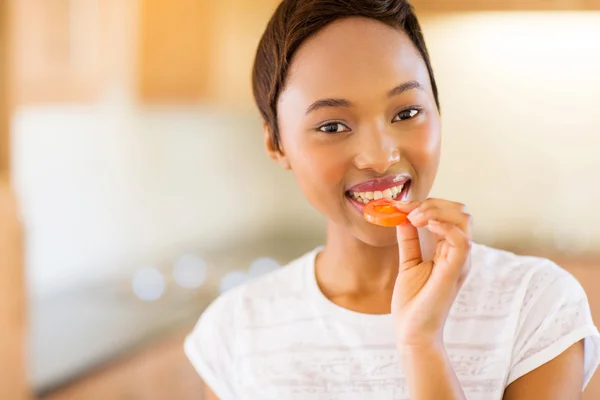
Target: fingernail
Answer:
[[416, 213], [433, 223]]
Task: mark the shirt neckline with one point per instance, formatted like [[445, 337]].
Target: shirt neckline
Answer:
[[330, 308]]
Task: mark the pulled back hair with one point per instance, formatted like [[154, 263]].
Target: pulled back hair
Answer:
[[294, 21]]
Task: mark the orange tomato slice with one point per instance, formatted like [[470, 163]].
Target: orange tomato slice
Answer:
[[383, 212]]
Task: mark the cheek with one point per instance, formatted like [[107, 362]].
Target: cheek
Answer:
[[423, 153], [317, 166], [319, 170], [427, 147]]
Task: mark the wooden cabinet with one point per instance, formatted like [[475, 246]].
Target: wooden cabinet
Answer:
[[504, 5], [176, 45], [202, 51], [59, 50], [5, 88], [199, 51], [12, 271], [72, 50], [241, 24], [13, 380]]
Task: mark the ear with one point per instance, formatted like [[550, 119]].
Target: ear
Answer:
[[274, 153]]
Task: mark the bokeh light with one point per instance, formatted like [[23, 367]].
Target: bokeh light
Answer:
[[148, 284], [233, 279], [190, 271], [262, 266]]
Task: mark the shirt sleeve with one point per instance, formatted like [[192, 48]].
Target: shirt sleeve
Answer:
[[209, 347], [556, 317]]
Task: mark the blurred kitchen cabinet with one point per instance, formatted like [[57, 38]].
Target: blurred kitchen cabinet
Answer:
[[199, 51], [13, 381], [504, 5], [241, 24], [175, 49], [5, 86], [59, 48]]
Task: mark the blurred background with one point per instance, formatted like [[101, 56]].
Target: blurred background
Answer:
[[134, 187]]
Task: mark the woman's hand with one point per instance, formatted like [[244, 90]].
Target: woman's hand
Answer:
[[426, 289]]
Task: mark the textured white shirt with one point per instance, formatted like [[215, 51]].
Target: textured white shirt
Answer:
[[278, 337]]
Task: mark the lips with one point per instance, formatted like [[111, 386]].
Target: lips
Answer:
[[380, 184], [391, 187], [391, 193]]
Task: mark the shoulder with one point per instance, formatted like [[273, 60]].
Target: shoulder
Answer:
[[548, 308], [517, 290], [541, 306], [503, 271], [211, 346], [252, 299]]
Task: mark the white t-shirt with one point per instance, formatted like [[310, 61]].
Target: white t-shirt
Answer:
[[278, 337]]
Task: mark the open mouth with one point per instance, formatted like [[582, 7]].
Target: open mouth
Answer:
[[393, 192]]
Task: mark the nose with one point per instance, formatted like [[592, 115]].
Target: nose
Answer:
[[378, 151]]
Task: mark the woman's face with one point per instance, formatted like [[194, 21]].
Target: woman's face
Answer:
[[358, 120]]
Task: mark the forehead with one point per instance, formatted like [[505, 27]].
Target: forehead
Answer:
[[353, 58]]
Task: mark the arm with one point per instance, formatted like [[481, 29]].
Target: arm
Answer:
[[208, 394], [429, 374], [424, 293], [560, 378]]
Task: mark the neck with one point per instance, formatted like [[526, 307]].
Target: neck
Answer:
[[350, 266]]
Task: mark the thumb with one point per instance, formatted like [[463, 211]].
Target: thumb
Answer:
[[409, 246], [412, 273]]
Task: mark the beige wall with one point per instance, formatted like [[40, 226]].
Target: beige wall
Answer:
[[111, 187], [520, 95]]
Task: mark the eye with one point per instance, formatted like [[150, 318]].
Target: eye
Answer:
[[406, 114], [333, 127]]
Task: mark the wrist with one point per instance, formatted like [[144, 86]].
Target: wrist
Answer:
[[419, 340], [408, 350]]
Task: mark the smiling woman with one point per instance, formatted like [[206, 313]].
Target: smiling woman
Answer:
[[350, 106]]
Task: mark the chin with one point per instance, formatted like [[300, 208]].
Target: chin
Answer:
[[376, 236]]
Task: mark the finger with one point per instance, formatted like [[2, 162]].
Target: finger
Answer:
[[451, 262], [436, 203], [459, 243], [407, 206], [442, 203], [409, 246], [450, 269], [453, 216]]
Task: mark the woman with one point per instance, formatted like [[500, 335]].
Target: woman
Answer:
[[350, 106]]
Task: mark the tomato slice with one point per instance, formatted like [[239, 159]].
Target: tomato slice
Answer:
[[383, 212]]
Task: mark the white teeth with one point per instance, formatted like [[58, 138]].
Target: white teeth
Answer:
[[360, 199], [365, 197]]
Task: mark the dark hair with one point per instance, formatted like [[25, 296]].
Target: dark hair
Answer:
[[294, 21]]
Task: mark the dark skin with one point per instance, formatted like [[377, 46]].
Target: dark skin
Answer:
[[384, 121]]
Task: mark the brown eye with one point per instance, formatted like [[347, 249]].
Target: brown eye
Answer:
[[406, 114], [334, 127]]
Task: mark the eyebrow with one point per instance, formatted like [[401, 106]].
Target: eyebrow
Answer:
[[327, 103], [405, 87], [324, 103]]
